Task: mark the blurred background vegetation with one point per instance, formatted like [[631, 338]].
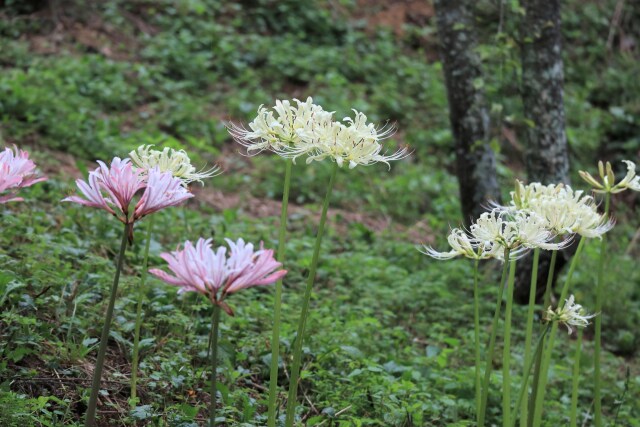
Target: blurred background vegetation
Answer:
[[87, 80]]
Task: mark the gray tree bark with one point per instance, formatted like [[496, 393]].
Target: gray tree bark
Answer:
[[475, 161], [546, 155], [542, 92]]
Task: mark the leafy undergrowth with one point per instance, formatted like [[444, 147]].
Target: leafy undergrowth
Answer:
[[389, 339]]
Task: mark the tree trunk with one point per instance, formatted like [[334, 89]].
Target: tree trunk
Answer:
[[542, 92], [546, 155], [475, 161]]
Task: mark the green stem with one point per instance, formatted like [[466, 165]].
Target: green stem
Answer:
[[275, 337], [546, 359], [527, 372], [598, 338], [215, 322], [476, 318], [538, 367], [549, 287], [529, 329], [576, 380], [209, 342], [297, 352], [572, 267], [492, 343], [104, 338], [136, 337], [506, 351]]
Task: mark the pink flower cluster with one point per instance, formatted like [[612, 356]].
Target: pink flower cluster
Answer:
[[113, 188], [201, 269], [16, 171]]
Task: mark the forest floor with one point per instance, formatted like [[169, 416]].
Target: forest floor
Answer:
[[390, 338]]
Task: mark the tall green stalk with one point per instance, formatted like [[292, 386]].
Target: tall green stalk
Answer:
[[275, 337], [297, 351], [104, 338], [476, 336], [573, 414], [546, 358], [492, 343], [536, 372], [597, 379], [136, 337], [527, 372], [529, 330], [550, 275], [215, 323], [506, 351]]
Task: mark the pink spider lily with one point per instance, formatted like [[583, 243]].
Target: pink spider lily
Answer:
[[198, 268], [16, 171], [112, 188]]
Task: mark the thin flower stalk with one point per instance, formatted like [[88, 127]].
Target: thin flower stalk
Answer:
[[476, 337], [548, 352], [297, 351], [607, 185], [529, 331], [198, 268], [113, 189], [104, 337], [521, 402], [136, 336], [278, 130], [277, 309], [573, 413], [213, 391], [506, 352], [538, 362], [178, 164], [492, 342], [464, 245], [598, 335]]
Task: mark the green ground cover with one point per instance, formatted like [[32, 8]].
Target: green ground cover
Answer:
[[390, 336]]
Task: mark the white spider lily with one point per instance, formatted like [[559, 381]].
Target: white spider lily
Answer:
[[461, 244], [518, 232], [630, 181], [570, 314], [169, 160], [525, 196], [532, 231], [354, 143], [279, 128], [565, 210], [568, 215], [591, 224], [607, 184]]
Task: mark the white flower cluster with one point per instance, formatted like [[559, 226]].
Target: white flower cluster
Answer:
[[536, 216], [570, 314], [281, 127], [169, 160], [307, 130], [608, 180], [497, 231], [566, 211]]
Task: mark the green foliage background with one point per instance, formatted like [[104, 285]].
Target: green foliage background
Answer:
[[390, 339]]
